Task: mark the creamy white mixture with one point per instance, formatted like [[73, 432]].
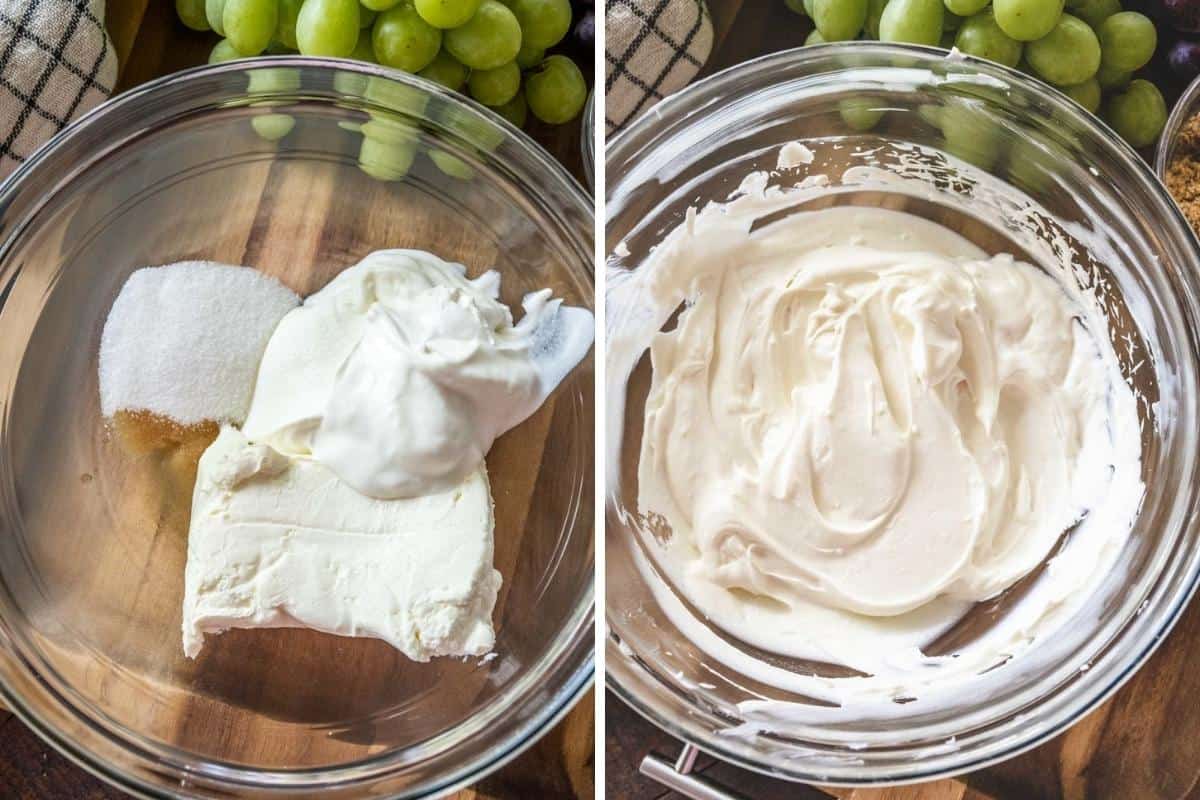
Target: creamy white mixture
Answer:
[[355, 498], [858, 427]]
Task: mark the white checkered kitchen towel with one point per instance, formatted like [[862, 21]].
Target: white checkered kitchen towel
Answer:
[[652, 48], [56, 62]]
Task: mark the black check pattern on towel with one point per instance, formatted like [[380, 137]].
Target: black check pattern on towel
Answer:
[[652, 48], [56, 61]]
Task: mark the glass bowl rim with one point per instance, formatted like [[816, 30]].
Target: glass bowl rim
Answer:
[[1082, 696], [573, 657], [587, 135], [1184, 108]]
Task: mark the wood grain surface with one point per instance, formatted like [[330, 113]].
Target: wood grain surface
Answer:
[[151, 42], [1142, 744]]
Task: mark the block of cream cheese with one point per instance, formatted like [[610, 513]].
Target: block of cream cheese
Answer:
[[277, 541]]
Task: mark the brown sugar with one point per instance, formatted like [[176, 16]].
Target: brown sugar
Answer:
[[1183, 173], [142, 432], [178, 447]]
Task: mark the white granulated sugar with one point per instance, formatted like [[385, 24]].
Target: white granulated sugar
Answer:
[[185, 340]]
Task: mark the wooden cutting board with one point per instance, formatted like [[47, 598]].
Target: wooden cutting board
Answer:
[[1142, 744]]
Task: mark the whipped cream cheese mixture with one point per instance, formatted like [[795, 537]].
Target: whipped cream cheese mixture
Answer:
[[355, 498], [859, 426]]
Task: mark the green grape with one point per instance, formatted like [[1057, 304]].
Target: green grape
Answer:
[[446, 13], [223, 51], [385, 160], [285, 29], [931, 114], [379, 5], [214, 12], [1026, 20], [951, 21], [492, 37], [1094, 12], [860, 113], [981, 37], [388, 148], [351, 84], [366, 17], [970, 134], [495, 87], [839, 20], [273, 80], [1068, 55], [966, 8], [364, 50], [556, 91], [814, 37], [404, 40], [1029, 167], [474, 129], [796, 7], [446, 70], [530, 57], [515, 111], [808, 6], [1138, 113], [912, 21], [389, 130], [192, 14], [544, 23], [328, 28], [1127, 40], [874, 12], [1110, 78], [278, 48], [451, 165], [396, 97], [1087, 94], [250, 24], [273, 127]]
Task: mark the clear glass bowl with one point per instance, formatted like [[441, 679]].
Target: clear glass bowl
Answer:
[[697, 146], [92, 543], [587, 139], [1185, 108]]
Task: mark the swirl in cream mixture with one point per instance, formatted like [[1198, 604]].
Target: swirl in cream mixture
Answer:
[[861, 425]]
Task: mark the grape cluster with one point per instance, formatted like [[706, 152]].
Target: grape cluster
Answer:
[[492, 50], [1090, 51], [1180, 21]]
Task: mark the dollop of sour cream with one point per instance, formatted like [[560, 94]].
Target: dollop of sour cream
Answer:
[[400, 373], [860, 425]]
